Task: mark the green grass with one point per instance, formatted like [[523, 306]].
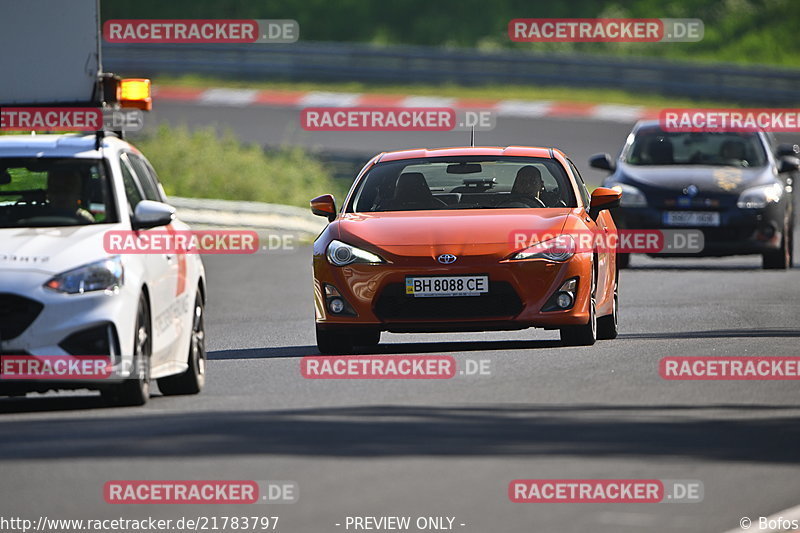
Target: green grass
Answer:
[[499, 92], [202, 164]]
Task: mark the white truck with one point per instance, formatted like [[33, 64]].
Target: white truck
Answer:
[[65, 300]]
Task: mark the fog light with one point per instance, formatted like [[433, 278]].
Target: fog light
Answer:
[[767, 231], [336, 305], [564, 300]]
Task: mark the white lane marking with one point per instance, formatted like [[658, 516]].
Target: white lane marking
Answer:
[[427, 101], [617, 112], [327, 99], [523, 108], [790, 514], [231, 97]]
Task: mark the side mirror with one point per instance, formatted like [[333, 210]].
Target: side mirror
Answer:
[[788, 164], [602, 199], [149, 214], [785, 149], [324, 206], [603, 162]]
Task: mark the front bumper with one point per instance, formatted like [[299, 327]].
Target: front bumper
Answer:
[[518, 290], [740, 232], [96, 323]]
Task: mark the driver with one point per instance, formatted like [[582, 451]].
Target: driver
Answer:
[[64, 193], [733, 151], [528, 183]]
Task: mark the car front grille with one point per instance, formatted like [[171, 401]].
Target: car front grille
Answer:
[[16, 314], [501, 301]]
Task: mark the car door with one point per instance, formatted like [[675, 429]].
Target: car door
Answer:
[[185, 267], [161, 271]]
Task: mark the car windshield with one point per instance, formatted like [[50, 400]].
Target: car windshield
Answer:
[[653, 147], [463, 183], [40, 192]]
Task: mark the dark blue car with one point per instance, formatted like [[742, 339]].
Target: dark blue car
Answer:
[[734, 186]]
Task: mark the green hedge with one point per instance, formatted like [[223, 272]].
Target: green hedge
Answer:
[[202, 164]]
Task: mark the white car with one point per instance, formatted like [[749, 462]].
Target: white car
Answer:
[[61, 292]]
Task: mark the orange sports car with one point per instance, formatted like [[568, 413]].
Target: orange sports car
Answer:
[[465, 239]]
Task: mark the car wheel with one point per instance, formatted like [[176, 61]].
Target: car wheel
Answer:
[[608, 326], [193, 379], [623, 260], [585, 335], [780, 259], [136, 391], [333, 341]]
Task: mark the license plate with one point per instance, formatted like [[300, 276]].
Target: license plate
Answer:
[[691, 218], [422, 287]]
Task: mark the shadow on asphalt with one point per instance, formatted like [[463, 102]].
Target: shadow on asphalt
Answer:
[[694, 266], [716, 334], [746, 433], [389, 349]]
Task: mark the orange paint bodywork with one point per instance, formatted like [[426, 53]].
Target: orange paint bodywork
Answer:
[[410, 241]]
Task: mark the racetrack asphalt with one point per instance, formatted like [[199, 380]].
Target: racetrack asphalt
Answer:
[[442, 447]]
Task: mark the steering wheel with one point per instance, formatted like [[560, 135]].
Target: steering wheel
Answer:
[[521, 201]]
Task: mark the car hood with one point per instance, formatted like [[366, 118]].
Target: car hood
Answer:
[[707, 179], [51, 250], [465, 227]]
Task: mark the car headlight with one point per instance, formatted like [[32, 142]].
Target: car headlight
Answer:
[[105, 275], [631, 196], [342, 254], [558, 248], [759, 197]]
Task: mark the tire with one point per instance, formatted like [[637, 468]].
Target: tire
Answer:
[[136, 391], [623, 260], [584, 335], [193, 379], [608, 326], [333, 341], [780, 259]]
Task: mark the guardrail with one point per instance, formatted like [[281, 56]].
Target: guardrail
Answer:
[[206, 213], [310, 61]]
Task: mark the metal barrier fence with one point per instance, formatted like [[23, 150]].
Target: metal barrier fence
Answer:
[[309, 61]]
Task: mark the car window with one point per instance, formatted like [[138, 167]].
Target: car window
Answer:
[[54, 191], [652, 146], [146, 178], [132, 190], [468, 182], [584, 192]]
